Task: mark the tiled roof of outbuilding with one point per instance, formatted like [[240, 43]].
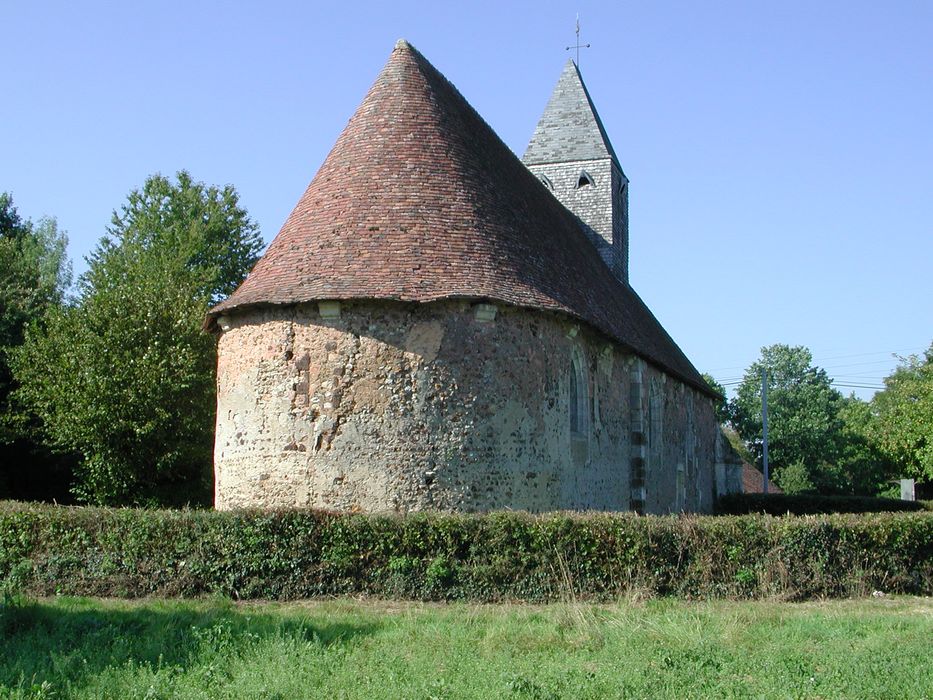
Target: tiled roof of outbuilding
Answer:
[[420, 200], [753, 481]]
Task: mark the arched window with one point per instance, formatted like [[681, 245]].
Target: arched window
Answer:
[[584, 179], [578, 403], [546, 181]]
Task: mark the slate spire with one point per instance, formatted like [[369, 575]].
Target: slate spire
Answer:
[[571, 154], [570, 128]]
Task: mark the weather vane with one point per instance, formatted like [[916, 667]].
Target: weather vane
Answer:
[[578, 45]]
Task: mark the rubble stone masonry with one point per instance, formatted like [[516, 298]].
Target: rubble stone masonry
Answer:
[[453, 405]]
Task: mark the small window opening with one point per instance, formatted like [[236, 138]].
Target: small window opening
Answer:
[[546, 181], [584, 179], [579, 397]]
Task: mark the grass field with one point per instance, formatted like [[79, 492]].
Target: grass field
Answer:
[[81, 648]]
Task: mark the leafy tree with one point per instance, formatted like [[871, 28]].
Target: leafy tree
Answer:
[[862, 468], [803, 414], [34, 275], [904, 427], [126, 375], [796, 478], [722, 406]]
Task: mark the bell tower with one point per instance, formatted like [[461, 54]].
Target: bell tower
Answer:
[[572, 155]]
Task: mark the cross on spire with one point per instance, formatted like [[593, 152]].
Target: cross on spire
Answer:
[[578, 45]]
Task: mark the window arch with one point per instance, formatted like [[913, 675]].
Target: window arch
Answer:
[[578, 400], [546, 181], [584, 179]]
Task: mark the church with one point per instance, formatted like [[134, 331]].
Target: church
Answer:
[[440, 325]]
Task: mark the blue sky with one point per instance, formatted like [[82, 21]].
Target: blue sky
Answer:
[[780, 154]]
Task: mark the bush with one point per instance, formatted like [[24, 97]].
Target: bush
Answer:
[[795, 478], [46, 550], [810, 504]]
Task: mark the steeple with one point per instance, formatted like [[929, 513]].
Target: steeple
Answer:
[[572, 155]]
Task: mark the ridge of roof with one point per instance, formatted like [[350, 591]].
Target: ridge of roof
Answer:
[[419, 200], [570, 128]]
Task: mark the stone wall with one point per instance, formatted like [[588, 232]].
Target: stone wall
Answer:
[[462, 406]]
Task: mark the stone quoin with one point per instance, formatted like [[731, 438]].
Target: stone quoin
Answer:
[[440, 325]]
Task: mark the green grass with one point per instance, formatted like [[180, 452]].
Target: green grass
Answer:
[[83, 648]]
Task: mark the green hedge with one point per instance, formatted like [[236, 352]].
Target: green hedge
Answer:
[[809, 504], [47, 550]]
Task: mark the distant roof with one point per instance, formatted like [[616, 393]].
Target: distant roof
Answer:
[[753, 481], [419, 201], [570, 128]]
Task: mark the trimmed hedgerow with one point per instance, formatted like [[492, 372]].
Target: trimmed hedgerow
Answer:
[[810, 504], [47, 550]]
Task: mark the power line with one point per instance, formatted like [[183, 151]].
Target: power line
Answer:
[[857, 364], [865, 354], [834, 381], [857, 377], [816, 360]]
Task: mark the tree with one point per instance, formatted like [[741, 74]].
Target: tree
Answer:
[[126, 375], [862, 468], [35, 276], [803, 415], [904, 409], [36, 273], [796, 478]]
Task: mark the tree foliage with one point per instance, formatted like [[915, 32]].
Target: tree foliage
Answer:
[[126, 375], [803, 413], [820, 441], [904, 426], [35, 275], [862, 467]]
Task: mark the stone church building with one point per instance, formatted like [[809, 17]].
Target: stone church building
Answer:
[[440, 325]]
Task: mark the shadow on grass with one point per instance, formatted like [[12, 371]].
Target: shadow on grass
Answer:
[[74, 640]]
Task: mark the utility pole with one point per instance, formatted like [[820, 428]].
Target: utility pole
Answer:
[[764, 429]]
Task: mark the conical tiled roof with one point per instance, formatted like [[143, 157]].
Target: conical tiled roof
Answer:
[[419, 200], [570, 128]]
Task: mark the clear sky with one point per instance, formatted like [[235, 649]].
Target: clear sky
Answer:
[[780, 153]]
